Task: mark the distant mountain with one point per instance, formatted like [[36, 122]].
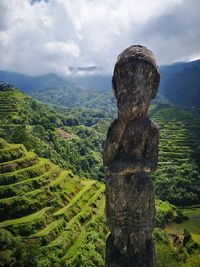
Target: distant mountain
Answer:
[[180, 83], [58, 91], [28, 83], [46, 81], [14, 78], [98, 82]]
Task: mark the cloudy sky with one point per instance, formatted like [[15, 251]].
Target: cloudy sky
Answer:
[[38, 37]]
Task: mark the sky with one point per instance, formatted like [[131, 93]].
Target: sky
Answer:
[[58, 36]]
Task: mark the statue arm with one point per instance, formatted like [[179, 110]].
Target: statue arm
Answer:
[[152, 149], [113, 139]]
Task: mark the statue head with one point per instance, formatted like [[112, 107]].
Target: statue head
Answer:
[[135, 81]]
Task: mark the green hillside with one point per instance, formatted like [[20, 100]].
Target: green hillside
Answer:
[[177, 179], [73, 139], [178, 176], [42, 130], [50, 217], [48, 210]]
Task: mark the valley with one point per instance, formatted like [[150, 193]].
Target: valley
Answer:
[[52, 182]]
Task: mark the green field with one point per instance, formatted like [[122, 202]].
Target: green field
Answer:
[[192, 225]]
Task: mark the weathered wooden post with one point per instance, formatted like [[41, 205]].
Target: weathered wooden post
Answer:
[[130, 153]]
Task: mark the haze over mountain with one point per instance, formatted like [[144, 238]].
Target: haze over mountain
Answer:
[[180, 83], [28, 83]]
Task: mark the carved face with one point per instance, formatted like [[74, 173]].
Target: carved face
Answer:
[[134, 87]]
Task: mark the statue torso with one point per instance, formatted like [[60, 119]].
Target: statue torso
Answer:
[[135, 136]]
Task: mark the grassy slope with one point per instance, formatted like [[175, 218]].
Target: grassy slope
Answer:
[[65, 217], [79, 147], [25, 120], [178, 177], [57, 215], [192, 225]]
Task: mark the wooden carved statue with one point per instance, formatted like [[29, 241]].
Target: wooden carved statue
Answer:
[[130, 153]]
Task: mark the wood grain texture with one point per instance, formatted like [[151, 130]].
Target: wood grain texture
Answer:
[[130, 153]]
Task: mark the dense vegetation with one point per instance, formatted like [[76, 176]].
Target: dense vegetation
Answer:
[[178, 177], [50, 217], [176, 251], [48, 212], [190, 222], [73, 139], [40, 129], [59, 220]]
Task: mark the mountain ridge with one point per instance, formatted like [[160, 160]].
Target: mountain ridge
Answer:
[[180, 83]]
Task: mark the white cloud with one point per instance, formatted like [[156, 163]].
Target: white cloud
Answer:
[[52, 36]]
